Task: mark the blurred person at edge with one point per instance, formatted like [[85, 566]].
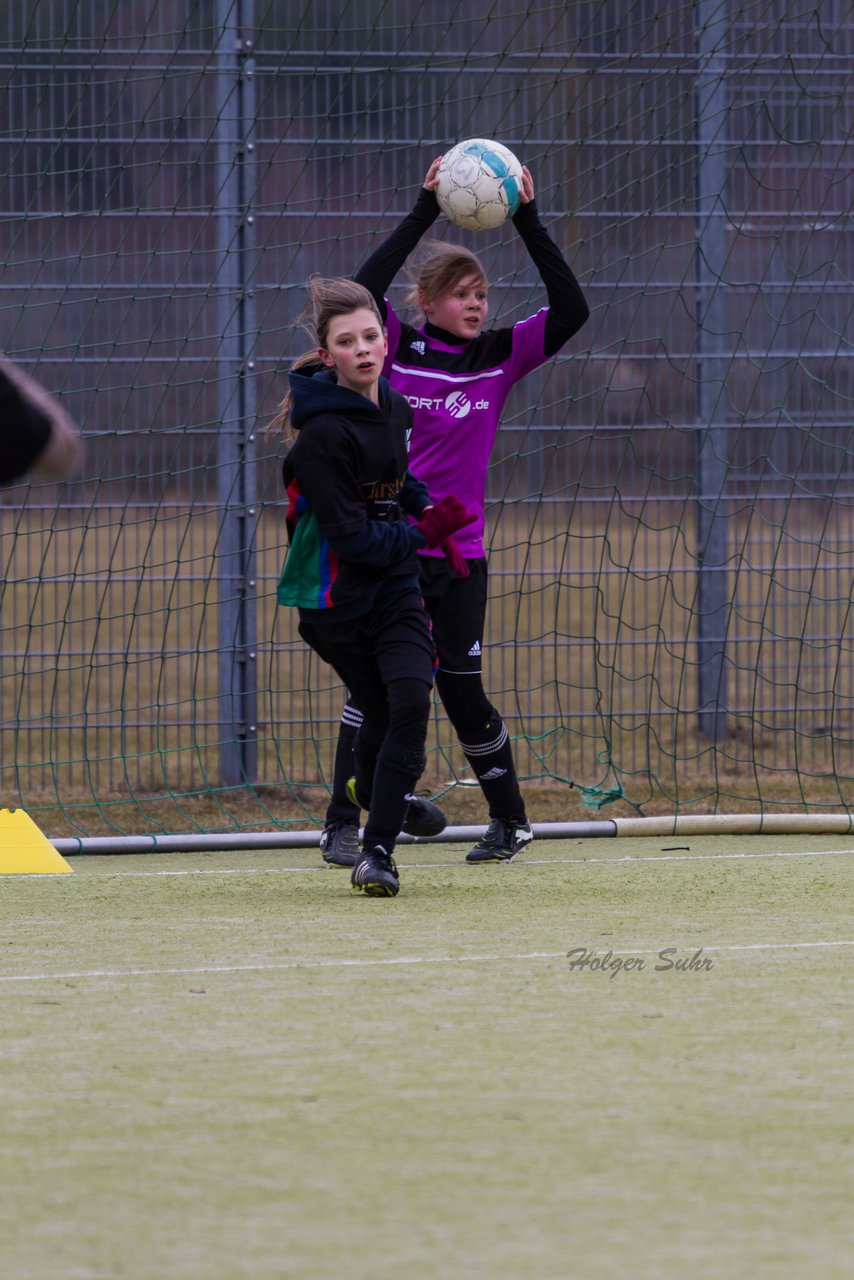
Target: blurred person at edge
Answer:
[[37, 433]]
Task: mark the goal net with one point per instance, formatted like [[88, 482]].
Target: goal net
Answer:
[[670, 499]]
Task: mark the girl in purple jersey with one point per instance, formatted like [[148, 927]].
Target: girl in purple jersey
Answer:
[[457, 376]]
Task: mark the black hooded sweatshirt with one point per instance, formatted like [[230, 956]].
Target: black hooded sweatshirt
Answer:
[[348, 486]]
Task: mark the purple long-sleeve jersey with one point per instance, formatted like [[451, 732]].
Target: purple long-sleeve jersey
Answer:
[[465, 383]]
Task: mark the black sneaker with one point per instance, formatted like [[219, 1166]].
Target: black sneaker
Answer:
[[502, 840], [339, 844], [423, 818], [376, 874]]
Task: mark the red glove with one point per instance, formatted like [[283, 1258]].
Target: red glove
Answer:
[[455, 558], [438, 522]]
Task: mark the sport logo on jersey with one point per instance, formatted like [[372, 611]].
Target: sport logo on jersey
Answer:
[[457, 404], [418, 346]]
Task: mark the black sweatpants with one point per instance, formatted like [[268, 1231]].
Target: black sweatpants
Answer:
[[457, 609], [385, 659]]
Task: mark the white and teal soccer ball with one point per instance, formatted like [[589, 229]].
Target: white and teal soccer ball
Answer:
[[479, 184]]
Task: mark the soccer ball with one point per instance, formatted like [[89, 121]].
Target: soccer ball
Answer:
[[479, 184]]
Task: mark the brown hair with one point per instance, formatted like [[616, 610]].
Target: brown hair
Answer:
[[441, 270], [327, 299]]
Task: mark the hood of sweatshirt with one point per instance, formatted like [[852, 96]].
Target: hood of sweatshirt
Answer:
[[314, 391]]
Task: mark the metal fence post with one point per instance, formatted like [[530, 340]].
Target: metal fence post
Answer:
[[236, 481], [712, 601]]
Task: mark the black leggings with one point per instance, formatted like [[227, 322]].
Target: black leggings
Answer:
[[465, 701], [386, 659]]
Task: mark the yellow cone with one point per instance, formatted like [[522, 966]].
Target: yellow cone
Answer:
[[24, 851]]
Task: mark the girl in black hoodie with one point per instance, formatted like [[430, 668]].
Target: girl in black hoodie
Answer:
[[351, 568]]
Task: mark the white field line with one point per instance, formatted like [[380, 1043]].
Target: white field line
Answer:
[[441, 866], [368, 963]]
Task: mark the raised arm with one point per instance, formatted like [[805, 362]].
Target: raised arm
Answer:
[[568, 309]]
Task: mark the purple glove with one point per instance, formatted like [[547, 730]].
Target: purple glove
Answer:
[[455, 558], [444, 518]]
